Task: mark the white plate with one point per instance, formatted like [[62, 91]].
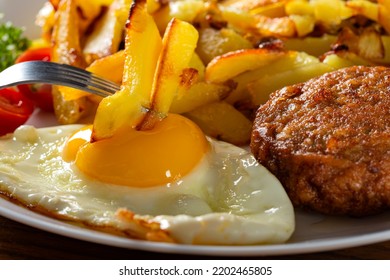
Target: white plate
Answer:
[[314, 233]]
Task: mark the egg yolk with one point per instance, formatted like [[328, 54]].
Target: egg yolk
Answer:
[[140, 158]]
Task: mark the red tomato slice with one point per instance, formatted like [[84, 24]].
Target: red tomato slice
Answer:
[[40, 94], [15, 109], [35, 54]]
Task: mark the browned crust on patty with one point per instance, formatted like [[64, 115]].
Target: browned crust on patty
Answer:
[[328, 141]]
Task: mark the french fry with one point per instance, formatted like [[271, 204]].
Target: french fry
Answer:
[[283, 26], [289, 61], [178, 47], [331, 12], [304, 24], [199, 94], [263, 87], [273, 10], [222, 121], [315, 46], [185, 10], [127, 107], [344, 59], [365, 8], [384, 14], [67, 50], [214, 42], [229, 65], [107, 34]]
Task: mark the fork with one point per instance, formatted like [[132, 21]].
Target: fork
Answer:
[[57, 74]]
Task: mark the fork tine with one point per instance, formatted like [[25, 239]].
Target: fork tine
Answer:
[[78, 73], [58, 74]]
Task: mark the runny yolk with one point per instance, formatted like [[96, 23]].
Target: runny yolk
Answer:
[[140, 158]]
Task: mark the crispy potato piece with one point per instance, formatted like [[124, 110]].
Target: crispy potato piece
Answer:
[[283, 26], [263, 87], [304, 24], [185, 10], [368, 44], [231, 64], [365, 8], [178, 46], [238, 19], [344, 59], [67, 50], [198, 95], [222, 121], [214, 42], [248, 5], [110, 67], [289, 61], [127, 107], [107, 34], [384, 14], [299, 8], [88, 11], [273, 10], [331, 12], [315, 46]]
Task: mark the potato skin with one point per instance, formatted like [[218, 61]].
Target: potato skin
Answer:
[[328, 141]]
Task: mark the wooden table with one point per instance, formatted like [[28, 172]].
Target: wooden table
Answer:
[[18, 241]]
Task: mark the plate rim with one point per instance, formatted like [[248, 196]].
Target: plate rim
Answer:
[[28, 217]]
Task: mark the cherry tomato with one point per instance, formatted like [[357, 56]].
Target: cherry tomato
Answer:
[[40, 94], [15, 109]]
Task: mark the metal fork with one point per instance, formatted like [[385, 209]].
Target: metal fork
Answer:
[[58, 74]]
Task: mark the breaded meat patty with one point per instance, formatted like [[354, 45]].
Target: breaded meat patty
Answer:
[[328, 141]]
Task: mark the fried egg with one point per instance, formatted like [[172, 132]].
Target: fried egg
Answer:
[[218, 195]]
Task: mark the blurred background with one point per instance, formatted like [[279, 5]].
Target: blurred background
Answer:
[[22, 13]]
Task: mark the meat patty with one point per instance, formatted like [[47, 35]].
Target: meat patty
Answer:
[[328, 141]]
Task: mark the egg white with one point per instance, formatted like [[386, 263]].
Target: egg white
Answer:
[[227, 199]]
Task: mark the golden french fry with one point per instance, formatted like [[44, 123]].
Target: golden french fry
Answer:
[[273, 10], [384, 14], [231, 64], [222, 121], [178, 47], [214, 42], [107, 34], [127, 107], [283, 26], [304, 24], [67, 50], [315, 46], [263, 87], [365, 8], [343, 59], [331, 12], [198, 95], [289, 61]]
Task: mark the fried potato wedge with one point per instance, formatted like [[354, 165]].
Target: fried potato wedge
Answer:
[[127, 107], [197, 95], [67, 49], [291, 60], [222, 121], [107, 34], [263, 87], [213, 42], [178, 46], [384, 14], [231, 64]]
